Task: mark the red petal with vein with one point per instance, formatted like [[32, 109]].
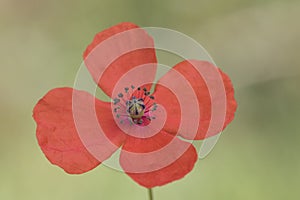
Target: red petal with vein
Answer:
[[157, 160], [212, 87], [165, 97], [231, 103], [178, 98], [115, 51], [57, 134]]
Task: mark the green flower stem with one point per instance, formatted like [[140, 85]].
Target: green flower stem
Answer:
[[150, 194]]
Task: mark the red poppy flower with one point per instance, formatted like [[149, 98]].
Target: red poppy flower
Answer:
[[77, 132]]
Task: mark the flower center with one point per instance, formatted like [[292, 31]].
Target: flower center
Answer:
[[134, 106]]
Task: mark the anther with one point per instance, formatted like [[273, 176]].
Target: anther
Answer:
[[154, 107], [116, 100]]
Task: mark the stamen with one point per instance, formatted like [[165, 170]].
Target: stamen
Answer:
[[126, 89], [116, 100], [135, 106], [154, 107], [140, 121]]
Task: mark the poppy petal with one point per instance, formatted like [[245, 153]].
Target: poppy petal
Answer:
[[157, 160], [215, 95], [59, 136], [115, 51]]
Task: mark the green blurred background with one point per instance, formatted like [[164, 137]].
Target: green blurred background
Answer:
[[256, 42]]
